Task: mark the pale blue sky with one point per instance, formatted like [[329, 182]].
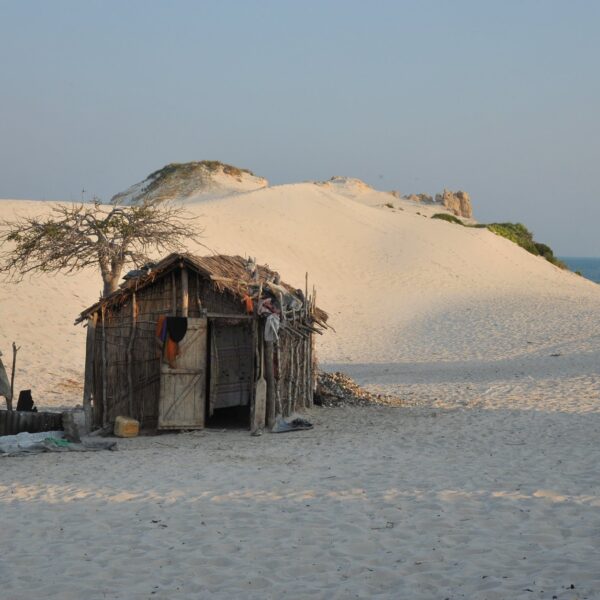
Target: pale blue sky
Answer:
[[498, 98]]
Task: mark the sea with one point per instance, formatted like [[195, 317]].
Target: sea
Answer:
[[588, 267]]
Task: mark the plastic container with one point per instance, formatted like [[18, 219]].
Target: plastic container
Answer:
[[126, 427]]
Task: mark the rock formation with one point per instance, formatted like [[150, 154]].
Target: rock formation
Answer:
[[458, 203]]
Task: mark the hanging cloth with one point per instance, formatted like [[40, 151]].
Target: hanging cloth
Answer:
[[272, 328], [247, 300], [177, 328], [161, 328], [171, 352]]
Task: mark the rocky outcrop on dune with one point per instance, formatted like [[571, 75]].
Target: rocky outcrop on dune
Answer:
[[458, 203], [192, 181]]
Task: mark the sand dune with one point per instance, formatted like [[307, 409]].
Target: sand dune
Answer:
[[483, 485], [399, 286]]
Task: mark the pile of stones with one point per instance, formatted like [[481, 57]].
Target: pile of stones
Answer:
[[337, 389]]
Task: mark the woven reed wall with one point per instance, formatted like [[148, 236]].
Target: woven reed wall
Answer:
[[114, 338]]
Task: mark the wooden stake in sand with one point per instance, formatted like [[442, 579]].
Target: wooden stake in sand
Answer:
[[15, 349]]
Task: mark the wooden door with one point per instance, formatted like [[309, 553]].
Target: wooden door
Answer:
[[183, 389]]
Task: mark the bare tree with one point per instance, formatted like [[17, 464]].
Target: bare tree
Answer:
[[76, 236]]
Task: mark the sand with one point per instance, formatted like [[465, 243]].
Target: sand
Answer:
[[484, 484]]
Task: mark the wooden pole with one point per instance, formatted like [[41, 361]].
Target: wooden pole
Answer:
[[104, 398], [15, 349], [130, 354], [198, 299], [290, 400], [296, 374], [185, 300], [173, 295], [270, 377], [278, 406], [88, 385], [311, 371], [259, 401]]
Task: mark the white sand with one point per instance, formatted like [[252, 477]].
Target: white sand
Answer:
[[484, 486]]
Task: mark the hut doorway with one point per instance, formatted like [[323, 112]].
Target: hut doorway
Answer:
[[231, 372], [182, 400]]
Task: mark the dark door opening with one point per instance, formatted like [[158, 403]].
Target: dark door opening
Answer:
[[231, 373], [233, 417]]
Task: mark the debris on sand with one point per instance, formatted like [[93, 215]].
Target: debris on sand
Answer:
[[337, 389]]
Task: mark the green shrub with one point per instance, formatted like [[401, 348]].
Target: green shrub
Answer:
[[448, 217], [519, 234]]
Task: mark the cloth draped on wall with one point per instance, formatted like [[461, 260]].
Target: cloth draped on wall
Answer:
[[170, 331]]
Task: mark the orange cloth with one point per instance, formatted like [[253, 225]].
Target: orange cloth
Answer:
[[171, 348], [159, 325], [247, 300], [171, 351]]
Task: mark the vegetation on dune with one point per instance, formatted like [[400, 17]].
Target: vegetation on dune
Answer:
[[189, 169], [447, 217], [519, 234], [515, 232]]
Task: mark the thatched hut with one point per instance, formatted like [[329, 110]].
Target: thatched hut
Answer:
[[190, 338]]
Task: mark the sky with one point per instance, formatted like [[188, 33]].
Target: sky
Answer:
[[500, 99]]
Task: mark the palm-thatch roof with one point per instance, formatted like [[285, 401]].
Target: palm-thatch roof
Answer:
[[226, 273]]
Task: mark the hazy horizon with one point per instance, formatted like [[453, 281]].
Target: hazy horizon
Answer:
[[497, 99]]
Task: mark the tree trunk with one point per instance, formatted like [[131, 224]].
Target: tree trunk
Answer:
[[111, 278], [110, 285]]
